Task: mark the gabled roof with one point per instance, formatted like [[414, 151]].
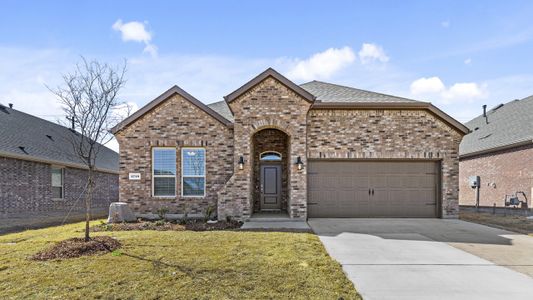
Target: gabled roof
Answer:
[[163, 97], [329, 92], [27, 137], [270, 73], [509, 125], [321, 94], [331, 95]]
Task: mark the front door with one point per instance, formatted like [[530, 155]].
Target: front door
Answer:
[[270, 187]]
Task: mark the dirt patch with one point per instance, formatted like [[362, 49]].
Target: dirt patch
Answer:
[[512, 223], [166, 226], [77, 247]]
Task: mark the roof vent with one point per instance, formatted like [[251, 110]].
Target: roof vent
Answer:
[[50, 137], [10, 105], [485, 113], [497, 106], [477, 128], [23, 149]]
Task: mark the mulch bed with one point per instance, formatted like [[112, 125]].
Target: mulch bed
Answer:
[[167, 226], [77, 247]]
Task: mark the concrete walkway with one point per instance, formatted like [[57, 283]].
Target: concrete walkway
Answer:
[[273, 226], [418, 259]]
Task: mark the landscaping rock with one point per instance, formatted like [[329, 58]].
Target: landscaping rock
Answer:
[[120, 212]]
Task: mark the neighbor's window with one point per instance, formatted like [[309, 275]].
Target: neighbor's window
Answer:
[[193, 172], [57, 183], [164, 172]]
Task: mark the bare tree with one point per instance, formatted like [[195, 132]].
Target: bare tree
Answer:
[[89, 99]]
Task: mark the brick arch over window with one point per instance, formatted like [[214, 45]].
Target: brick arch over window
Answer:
[[274, 123]]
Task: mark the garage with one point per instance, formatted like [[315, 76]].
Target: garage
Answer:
[[348, 189]]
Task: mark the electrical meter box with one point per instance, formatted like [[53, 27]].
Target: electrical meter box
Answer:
[[474, 181]]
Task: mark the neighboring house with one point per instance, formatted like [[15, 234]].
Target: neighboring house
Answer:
[[40, 173], [499, 150], [314, 150]]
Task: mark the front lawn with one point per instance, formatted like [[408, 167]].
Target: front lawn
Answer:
[[512, 223], [174, 265]]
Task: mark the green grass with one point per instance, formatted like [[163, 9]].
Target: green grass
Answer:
[[174, 265]]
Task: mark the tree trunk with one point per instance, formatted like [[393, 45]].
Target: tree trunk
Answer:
[[88, 200]]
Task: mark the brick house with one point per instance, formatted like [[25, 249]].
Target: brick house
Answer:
[[40, 173], [310, 150], [499, 150]]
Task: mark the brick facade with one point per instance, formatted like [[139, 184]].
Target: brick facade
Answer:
[[26, 186], [388, 134], [271, 116], [174, 123], [502, 173]]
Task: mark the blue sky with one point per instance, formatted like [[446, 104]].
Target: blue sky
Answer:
[[456, 54]]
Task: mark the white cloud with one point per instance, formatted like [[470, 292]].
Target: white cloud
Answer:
[[136, 32], [445, 24], [150, 49], [458, 92], [468, 61], [371, 52], [323, 64], [467, 91], [429, 85]]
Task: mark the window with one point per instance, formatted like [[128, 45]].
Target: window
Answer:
[[193, 172], [57, 183], [270, 156], [164, 172]]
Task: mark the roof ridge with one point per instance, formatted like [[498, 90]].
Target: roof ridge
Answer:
[[358, 89]]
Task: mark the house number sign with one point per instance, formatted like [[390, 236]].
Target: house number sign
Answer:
[[135, 176]]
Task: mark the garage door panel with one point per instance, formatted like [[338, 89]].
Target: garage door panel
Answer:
[[401, 189]]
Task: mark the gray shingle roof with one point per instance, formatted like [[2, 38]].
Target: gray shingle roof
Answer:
[[329, 92], [44, 141], [221, 107], [509, 124]]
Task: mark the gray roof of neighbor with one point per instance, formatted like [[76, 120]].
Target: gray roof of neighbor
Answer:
[[508, 124], [44, 141], [329, 92]]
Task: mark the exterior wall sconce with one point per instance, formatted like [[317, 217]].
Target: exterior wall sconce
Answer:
[[241, 163], [299, 163]]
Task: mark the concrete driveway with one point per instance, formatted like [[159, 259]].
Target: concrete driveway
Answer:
[[426, 258]]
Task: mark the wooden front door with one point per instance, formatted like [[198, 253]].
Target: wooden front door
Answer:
[[270, 187]]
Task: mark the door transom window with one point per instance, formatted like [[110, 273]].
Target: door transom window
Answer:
[[270, 156]]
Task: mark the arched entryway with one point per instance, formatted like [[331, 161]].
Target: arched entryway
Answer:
[[270, 173]]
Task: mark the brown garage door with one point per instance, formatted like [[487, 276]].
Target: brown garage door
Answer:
[[372, 189]]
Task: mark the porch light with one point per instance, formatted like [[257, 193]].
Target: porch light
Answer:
[[241, 163], [299, 163]]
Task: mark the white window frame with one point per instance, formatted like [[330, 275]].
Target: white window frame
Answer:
[[167, 176], [196, 176], [62, 181]]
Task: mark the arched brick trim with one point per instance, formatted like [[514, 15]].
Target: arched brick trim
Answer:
[[273, 123]]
